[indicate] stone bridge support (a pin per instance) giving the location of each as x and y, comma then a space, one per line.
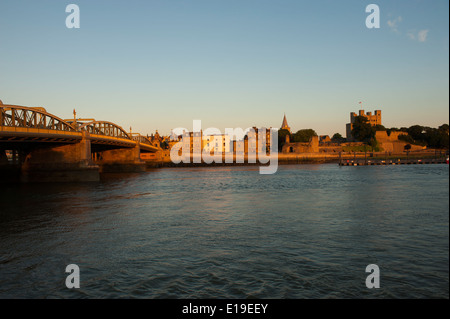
124, 160
67, 163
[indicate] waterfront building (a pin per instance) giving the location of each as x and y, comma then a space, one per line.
215, 144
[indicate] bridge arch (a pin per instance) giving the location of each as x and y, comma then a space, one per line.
105, 128
16, 116
140, 138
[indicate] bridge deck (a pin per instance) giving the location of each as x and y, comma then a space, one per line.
19, 124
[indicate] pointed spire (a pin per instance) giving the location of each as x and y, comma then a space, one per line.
285, 125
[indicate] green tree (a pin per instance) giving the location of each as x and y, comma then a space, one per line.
406, 138
417, 132
428, 136
362, 130
337, 138
303, 136
444, 128
436, 138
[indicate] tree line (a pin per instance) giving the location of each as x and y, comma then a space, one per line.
418, 135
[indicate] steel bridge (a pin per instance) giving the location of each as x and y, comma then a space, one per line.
45, 147
21, 125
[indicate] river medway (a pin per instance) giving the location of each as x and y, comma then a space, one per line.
308, 231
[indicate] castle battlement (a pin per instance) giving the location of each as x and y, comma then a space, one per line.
372, 119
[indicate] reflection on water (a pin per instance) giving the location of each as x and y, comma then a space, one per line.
308, 231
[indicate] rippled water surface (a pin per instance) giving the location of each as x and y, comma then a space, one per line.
308, 231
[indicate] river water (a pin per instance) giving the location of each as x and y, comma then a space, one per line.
309, 231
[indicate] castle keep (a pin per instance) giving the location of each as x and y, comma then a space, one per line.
373, 120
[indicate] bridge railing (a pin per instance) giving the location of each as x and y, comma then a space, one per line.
105, 128
36, 118
25, 119
140, 139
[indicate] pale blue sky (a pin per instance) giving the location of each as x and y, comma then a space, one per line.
230, 63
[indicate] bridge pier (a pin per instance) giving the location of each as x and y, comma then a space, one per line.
66, 163
10, 170
124, 160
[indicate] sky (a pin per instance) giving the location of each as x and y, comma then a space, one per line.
160, 64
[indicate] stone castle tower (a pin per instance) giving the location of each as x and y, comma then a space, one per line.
372, 119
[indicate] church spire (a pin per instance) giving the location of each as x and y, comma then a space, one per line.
284, 125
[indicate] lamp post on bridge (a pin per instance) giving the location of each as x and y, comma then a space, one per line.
75, 124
